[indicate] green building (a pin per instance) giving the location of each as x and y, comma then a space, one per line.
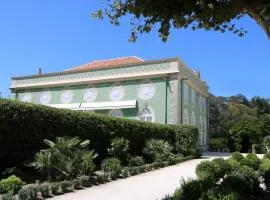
163, 91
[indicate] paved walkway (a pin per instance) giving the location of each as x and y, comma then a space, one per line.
147, 186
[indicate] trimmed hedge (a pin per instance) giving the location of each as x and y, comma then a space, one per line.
47, 190
23, 127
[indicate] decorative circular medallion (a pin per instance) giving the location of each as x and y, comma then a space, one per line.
66, 96
27, 97
90, 95
146, 91
45, 97
117, 93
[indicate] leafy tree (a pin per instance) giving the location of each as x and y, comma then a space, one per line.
245, 133
66, 158
262, 105
217, 15
239, 98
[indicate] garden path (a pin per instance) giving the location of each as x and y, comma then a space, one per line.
147, 186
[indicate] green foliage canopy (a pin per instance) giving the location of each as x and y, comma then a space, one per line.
198, 14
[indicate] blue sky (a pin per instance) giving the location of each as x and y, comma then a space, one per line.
56, 35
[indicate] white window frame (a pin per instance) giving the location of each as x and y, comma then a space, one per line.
144, 118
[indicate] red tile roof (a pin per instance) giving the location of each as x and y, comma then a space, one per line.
99, 64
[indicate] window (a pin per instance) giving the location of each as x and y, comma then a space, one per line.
204, 104
193, 119
146, 115
201, 102
193, 96
185, 94
201, 129
185, 119
116, 113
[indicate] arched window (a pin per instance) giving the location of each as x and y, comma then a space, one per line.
193, 97
201, 129
116, 113
185, 93
193, 119
146, 115
185, 118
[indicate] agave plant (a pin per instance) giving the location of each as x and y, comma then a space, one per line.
66, 158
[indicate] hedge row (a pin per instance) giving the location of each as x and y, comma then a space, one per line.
47, 190
23, 126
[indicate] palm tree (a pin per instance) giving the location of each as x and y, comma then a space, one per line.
66, 157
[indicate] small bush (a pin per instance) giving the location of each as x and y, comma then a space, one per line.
66, 186
265, 171
252, 161
7, 196
136, 161
45, 190
86, 181
191, 189
111, 165
267, 155
28, 193
234, 164
237, 156
10, 184
222, 167
250, 180
157, 150
205, 170
119, 148
77, 183
56, 188
219, 194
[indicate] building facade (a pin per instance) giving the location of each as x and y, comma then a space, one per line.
163, 91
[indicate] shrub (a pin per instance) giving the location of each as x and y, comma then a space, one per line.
219, 194
45, 190
30, 124
11, 184
191, 189
234, 164
218, 143
237, 156
186, 138
56, 188
157, 150
205, 170
250, 180
265, 171
135, 161
86, 181
252, 161
66, 186
267, 155
28, 193
67, 158
119, 148
7, 196
111, 165
77, 183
